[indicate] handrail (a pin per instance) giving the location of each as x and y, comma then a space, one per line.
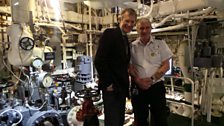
192, 93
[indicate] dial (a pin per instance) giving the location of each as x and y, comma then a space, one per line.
47, 81
37, 63
26, 43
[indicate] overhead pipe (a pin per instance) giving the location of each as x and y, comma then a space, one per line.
150, 11
175, 6
162, 8
102, 4
170, 28
207, 10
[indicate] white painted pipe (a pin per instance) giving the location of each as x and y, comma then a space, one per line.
5, 10
209, 94
102, 4
20, 11
221, 72
150, 11
203, 99
219, 4
175, 6
90, 40
207, 10
170, 28
154, 25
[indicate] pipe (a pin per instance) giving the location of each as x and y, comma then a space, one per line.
221, 72
58, 25
90, 41
203, 99
20, 11
186, 15
175, 6
210, 95
150, 11
170, 28
192, 94
102, 4
219, 4
5, 10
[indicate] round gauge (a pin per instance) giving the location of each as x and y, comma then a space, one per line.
47, 81
37, 63
26, 43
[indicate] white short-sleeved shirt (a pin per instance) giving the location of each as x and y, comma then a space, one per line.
148, 58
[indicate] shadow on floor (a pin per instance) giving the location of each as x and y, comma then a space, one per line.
177, 120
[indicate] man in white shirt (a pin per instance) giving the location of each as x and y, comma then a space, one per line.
149, 63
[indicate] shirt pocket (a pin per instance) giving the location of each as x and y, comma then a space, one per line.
154, 56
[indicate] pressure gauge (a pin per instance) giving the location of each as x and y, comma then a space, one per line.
45, 79
26, 43
37, 63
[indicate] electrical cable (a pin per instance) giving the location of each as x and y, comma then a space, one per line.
12, 72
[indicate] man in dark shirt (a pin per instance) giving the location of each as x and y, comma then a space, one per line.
111, 62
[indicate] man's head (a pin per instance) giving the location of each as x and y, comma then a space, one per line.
144, 28
127, 20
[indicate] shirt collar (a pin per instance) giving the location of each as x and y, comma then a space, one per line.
150, 41
123, 33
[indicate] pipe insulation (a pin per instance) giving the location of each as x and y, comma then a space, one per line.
101, 4
175, 6
219, 4
20, 10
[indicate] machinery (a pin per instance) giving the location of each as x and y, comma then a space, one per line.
88, 113
47, 77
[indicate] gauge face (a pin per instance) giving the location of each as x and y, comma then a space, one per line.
47, 81
37, 63
26, 43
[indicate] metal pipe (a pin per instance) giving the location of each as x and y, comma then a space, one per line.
90, 40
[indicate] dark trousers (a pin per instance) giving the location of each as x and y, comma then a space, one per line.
114, 108
155, 97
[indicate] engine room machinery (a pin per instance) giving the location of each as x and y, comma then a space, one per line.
88, 113
45, 99
47, 48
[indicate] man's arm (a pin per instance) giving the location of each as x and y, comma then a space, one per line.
165, 66
143, 83
102, 59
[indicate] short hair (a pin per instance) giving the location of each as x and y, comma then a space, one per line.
143, 20
130, 12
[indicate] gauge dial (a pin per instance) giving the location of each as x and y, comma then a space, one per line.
37, 63
47, 81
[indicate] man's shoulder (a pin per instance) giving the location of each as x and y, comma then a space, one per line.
135, 42
111, 31
158, 40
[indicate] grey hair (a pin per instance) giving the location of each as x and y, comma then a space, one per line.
143, 20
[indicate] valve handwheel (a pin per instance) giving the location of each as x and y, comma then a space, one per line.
26, 43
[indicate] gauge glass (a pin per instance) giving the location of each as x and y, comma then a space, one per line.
37, 63
47, 81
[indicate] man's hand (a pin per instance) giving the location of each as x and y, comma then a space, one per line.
110, 88
144, 83
132, 71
